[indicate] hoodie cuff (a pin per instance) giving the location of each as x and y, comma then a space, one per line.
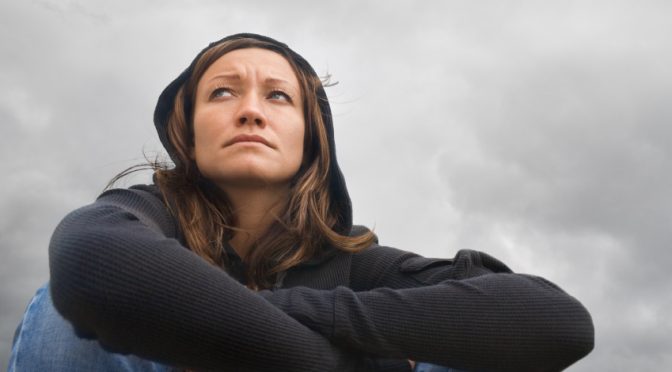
311, 307
390, 365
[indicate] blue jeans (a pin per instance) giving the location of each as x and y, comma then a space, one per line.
45, 341
428, 367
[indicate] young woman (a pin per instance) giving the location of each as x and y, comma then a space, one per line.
243, 256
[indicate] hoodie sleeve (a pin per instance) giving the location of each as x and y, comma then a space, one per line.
119, 276
470, 312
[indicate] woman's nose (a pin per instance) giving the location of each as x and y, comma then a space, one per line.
251, 111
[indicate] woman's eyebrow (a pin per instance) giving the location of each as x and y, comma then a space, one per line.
290, 87
236, 77
226, 76
274, 80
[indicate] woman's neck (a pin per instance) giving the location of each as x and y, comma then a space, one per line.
254, 210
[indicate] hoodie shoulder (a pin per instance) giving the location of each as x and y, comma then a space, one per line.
146, 203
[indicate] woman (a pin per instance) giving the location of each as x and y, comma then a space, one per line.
243, 255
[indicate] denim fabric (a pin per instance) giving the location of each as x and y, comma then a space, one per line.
428, 367
45, 341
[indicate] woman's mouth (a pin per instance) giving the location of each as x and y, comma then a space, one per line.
248, 138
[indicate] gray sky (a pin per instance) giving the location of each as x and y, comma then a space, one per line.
540, 132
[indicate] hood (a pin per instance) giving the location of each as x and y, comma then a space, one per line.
337, 188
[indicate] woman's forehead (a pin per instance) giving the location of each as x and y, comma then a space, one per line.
243, 64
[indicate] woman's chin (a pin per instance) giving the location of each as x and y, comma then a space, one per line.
249, 172
252, 180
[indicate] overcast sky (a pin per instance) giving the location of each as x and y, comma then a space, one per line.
540, 132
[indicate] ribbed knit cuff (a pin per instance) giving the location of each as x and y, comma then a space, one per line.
311, 307
390, 365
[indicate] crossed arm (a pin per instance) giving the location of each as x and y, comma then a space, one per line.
120, 280
118, 276
497, 321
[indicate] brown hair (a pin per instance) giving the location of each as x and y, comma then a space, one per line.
305, 228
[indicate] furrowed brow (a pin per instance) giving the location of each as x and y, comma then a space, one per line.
272, 81
226, 76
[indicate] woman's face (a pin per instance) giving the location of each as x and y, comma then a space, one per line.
248, 120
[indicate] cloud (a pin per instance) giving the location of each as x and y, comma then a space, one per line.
566, 163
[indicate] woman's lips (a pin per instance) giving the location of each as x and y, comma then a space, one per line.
248, 138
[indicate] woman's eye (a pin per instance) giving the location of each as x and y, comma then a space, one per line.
221, 92
279, 95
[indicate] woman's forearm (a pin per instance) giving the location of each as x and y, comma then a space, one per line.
120, 281
495, 321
